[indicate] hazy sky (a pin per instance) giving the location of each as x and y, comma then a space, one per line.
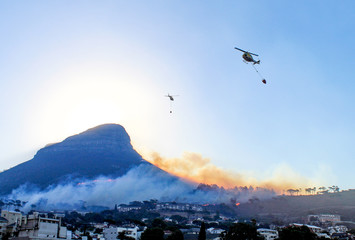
66, 66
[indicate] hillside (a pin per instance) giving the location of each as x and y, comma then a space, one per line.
342, 203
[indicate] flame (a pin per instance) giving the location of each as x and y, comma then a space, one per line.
237, 204
195, 168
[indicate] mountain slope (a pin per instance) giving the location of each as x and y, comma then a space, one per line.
101, 151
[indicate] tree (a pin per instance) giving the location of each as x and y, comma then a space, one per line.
153, 234
296, 233
88, 235
321, 189
292, 191
6, 236
241, 231
202, 234
158, 223
176, 235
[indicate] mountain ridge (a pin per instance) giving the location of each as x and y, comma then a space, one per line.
104, 150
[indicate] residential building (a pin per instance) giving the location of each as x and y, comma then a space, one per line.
268, 234
179, 206
12, 217
35, 227
3, 223
324, 218
315, 229
127, 208
215, 230
338, 229
111, 233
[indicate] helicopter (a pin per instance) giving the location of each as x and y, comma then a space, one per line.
247, 56
171, 97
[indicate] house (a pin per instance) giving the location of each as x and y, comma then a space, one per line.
35, 227
268, 234
193, 231
338, 229
127, 208
12, 217
323, 218
3, 223
314, 229
215, 230
111, 233
179, 206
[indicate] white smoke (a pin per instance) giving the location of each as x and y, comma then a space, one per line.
139, 184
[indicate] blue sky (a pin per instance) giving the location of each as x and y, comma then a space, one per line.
66, 66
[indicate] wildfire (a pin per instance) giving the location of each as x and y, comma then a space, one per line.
237, 204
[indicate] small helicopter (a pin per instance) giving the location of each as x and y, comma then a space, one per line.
247, 56
171, 97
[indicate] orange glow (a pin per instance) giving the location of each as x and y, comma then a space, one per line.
195, 168
237, 204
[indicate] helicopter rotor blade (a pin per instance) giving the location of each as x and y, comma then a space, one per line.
246, 51
239, 49
253, 54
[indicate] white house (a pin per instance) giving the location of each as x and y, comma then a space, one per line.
268, 234
12, 217
338, 229
215, 230
324, 218
40, 228
314, 229
111, 233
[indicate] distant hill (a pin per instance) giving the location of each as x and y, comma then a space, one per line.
104, 150
298, 207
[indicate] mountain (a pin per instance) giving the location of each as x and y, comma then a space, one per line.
104, 150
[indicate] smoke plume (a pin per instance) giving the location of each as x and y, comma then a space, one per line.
141, 183
195, 168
